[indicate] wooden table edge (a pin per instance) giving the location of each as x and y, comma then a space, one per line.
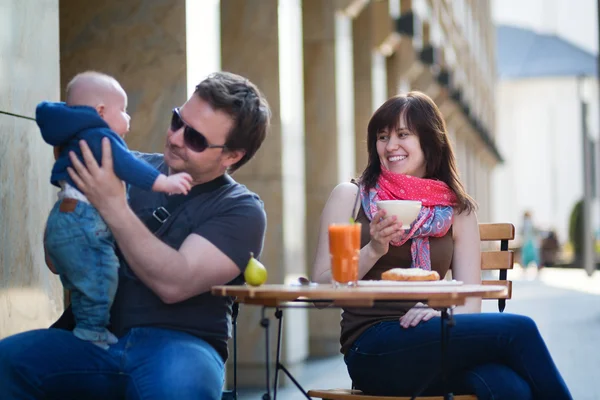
267, 295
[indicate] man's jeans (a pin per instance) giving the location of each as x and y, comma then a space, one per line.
146, 363
495, 356
81, 248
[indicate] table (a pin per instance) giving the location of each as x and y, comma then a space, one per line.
437, 294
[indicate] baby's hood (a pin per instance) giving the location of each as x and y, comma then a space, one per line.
60, 123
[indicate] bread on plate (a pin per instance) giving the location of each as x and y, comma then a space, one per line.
410, 274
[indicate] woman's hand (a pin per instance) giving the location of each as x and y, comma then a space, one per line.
383, 230
420, 312
100, 185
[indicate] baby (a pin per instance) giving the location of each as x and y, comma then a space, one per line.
77, 240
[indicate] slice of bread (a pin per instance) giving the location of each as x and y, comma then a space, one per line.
410, 274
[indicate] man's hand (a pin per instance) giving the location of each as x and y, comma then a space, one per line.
180, 183
420, 312
100, 185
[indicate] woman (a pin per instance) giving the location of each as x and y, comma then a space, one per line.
394, 350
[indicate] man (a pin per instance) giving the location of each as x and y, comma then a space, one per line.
172, 332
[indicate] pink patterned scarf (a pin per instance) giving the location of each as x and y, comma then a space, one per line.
434, 219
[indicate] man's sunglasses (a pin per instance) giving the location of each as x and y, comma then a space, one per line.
193, 139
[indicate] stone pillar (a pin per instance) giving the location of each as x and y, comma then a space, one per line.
393, 74
402, 67
142, 43
31, 296
362, 33
382, 26
381, 46
424, 79
396, 65
322, 172
250, 47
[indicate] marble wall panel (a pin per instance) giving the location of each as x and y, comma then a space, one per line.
29, 69
30, 295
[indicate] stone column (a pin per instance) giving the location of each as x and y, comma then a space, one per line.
393, 75
382, 43
382, 26
31, 296
403, 67
142, 43
250, 47
362, 33
322, 172
423, 80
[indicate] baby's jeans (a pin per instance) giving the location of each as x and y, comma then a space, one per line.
81, 248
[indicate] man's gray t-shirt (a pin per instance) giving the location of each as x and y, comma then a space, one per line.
232, 218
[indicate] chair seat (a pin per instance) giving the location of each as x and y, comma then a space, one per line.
348, 394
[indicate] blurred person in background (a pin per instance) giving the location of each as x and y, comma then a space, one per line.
529, 248
549, 250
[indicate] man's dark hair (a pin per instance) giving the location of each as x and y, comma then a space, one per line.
240, 99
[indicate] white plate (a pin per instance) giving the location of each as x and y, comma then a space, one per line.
410, 283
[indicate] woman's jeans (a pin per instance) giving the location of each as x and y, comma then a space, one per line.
81, 248
146, 363
495, 356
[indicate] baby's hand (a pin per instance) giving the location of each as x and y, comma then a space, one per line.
180, 183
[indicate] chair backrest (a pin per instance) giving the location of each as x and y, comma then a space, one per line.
501, 260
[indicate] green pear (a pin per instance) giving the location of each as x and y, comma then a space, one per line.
255, 273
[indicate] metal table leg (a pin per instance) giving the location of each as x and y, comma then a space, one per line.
279, 316
264, 322
278, 365
447, 321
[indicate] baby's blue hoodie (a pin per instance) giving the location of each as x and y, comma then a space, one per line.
65, 126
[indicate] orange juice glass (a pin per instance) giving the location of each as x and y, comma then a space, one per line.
344, 248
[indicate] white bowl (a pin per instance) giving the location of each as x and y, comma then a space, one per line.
406, 211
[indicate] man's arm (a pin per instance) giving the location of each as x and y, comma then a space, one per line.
174, 275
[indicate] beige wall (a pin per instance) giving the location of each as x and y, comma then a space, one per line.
30, 296
142, 43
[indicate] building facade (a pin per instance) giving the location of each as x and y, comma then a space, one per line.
547, 120
324, 66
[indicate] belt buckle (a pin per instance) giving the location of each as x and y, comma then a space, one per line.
163, 212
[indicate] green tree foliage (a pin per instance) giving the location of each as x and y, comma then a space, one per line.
576, 229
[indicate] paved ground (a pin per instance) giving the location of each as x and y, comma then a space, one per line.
564, 302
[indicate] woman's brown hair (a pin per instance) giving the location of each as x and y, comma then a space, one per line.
424, 119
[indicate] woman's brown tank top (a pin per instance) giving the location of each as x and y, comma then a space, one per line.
357, 320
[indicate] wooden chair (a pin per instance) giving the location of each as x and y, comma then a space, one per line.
501, 260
